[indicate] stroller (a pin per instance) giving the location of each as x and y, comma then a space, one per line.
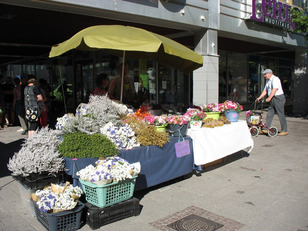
255, 123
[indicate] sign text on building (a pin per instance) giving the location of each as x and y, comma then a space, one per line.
272, 12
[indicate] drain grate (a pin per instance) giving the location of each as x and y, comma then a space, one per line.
195, 223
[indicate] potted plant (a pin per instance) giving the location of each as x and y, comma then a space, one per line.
196, 116
160, 122
232, 110
38, 163
177, 124
213, 110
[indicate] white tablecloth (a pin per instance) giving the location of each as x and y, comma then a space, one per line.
211, 144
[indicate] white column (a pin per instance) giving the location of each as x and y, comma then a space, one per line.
300, 78
205, 79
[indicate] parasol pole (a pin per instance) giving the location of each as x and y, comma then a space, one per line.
122, 78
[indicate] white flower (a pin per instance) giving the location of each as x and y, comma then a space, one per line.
111, 169
122, 136
50, 200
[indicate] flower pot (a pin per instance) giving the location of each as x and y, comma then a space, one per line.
232, 115
215, 115
175, 130
161, 128
195, 124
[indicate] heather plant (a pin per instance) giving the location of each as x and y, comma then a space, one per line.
146, 134
38, 154
89, 118
81, 145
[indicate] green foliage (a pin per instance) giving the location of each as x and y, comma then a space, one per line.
81, 145
301, 21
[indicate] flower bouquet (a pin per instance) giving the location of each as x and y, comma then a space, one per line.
57, 198
142, 112
121, 135
109, 170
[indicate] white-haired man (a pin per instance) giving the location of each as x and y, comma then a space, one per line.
276, 100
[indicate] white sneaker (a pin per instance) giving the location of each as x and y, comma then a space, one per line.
20, 130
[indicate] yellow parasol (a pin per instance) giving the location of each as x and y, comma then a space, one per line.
134, 43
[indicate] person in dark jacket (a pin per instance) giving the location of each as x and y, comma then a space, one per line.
32, 96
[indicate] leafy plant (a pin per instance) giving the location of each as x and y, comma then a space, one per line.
38, 154
81, 145
300, 18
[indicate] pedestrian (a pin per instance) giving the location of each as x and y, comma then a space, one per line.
2, 105
32, 96
8, 101
128, 86
18, 106
276, 99
45, 90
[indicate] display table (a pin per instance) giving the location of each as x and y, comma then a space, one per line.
211, 144
158, 165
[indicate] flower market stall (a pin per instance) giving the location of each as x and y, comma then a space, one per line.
106, 148
213, 142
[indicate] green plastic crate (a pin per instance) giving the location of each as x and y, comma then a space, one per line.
109, 194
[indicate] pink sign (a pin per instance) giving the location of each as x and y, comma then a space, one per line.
182, 148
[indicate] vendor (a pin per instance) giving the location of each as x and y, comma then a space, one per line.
102, 83
128, 86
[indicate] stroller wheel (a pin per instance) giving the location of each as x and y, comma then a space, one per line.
254, 130
273, 131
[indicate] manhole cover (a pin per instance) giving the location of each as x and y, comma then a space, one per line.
195, 223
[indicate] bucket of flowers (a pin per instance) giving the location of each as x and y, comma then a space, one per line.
177, 125
102, 183
58, 206
213, 110
232, 110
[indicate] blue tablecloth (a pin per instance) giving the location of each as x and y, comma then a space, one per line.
158, 165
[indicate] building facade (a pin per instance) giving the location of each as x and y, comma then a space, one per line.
238, 39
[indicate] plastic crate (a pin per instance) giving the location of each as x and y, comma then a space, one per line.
109, 194
97, 217
38, 181
61, 221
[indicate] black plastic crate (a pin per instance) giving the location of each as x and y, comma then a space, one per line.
38, 181
61, 221
97, 217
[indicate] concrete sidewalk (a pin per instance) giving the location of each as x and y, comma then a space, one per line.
266, 190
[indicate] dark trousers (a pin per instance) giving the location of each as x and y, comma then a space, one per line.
277, 105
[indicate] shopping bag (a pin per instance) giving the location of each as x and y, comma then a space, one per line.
182, 148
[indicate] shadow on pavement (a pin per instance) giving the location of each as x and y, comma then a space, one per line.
7, 151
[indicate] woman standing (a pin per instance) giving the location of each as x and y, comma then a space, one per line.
32, 96
18, 106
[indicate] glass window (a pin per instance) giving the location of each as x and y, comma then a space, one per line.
237, 69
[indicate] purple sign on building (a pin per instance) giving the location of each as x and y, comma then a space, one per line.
272, 12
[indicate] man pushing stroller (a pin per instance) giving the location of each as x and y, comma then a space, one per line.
276, 99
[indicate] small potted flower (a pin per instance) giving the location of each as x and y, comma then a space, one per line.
160, 122
232, 110
213, 110
196, 116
